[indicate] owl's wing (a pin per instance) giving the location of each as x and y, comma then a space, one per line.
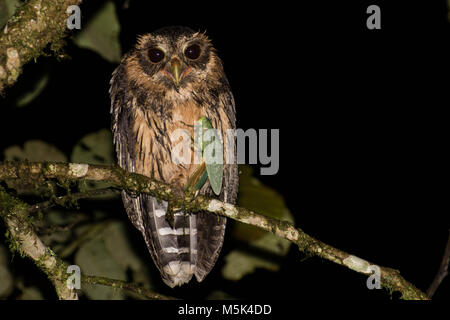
122, 119
231, 173
121, 124
210, 227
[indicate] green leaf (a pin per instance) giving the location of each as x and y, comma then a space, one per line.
6, 278
121, 250
94, 259
94, 148
28, 96
52, 219
109, 254
30, 293
219, 295
35, 150
260, 198
7, 9
101, 33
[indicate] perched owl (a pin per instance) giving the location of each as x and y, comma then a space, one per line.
169, 80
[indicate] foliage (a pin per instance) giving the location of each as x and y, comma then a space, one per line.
101, 33
96, 235
7, 9
259, 198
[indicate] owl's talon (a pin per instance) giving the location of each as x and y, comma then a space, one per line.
169, 216
171, 210
190, 195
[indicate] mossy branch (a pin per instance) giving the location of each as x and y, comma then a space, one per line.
135, 183
35, 25
24, 240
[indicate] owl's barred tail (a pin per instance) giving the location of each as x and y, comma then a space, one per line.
190, 248
175, 249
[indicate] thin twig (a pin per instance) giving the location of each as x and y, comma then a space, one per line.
125, 286
443, 270
93, 230
63, 201
24, 239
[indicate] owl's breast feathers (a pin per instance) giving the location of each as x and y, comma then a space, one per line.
144, 116
155, 139
156, 112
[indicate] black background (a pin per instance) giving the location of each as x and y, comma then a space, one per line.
362, 122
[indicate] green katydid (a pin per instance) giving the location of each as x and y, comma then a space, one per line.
208, 147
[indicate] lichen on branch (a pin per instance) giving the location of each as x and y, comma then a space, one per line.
35, 25
24, 240
135, 183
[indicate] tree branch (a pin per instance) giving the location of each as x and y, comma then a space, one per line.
24, 240
34, 26
135, 183
27, 243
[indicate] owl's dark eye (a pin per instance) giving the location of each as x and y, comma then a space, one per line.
155, 55
192, 52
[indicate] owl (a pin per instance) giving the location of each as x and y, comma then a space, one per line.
169, 80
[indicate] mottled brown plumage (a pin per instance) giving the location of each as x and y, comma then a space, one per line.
149, 100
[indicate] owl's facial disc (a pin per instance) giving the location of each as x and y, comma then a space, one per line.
176, 71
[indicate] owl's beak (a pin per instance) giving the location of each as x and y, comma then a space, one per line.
176, 72
176, 66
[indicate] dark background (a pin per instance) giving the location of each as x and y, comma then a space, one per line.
361, 119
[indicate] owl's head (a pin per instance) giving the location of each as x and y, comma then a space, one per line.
177, 58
